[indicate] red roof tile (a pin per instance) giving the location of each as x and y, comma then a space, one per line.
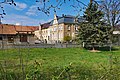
13, 29
5, 29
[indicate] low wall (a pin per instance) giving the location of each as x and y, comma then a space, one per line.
8, 46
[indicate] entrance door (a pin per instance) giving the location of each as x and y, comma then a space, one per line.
23, 38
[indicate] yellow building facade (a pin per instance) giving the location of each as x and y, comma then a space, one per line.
57, 29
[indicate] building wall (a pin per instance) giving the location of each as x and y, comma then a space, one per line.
56, 32
37, 34
16, 39
117, 33
31, 39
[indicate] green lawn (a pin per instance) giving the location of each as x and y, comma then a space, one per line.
52, 58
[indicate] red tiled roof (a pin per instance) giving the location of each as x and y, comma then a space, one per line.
13, 29
5, 29
25, 28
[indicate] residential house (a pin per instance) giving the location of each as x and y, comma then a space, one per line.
17, 34
57, 29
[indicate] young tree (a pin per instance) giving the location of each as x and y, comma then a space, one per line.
67, 38
94, 30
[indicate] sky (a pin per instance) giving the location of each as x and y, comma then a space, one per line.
25, 12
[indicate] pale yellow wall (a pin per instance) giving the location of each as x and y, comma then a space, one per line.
37, 34
45, 34
57, 32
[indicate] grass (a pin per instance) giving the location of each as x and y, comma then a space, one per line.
52, 59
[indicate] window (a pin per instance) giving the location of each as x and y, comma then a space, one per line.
60, 27
51, 30
55, 29
23, 38
0, 37
68, 28
76, 28
48, 37
10, 39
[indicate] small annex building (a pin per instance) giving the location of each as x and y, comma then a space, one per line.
17, 34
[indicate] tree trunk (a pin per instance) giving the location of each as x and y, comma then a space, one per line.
93, 48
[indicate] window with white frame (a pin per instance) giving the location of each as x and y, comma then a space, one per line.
68, 28
61, 28
76, 28
54, 29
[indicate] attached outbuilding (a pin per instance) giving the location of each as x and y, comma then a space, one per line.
14, 34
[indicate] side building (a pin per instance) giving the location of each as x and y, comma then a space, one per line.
14, 34
58, 29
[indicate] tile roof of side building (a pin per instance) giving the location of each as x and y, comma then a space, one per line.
25, 28
13, 29
7, 29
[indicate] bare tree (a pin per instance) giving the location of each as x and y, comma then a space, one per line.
111, 9
10, 2
45, 7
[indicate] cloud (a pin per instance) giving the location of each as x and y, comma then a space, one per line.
20, 6
23, 20
32, 10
